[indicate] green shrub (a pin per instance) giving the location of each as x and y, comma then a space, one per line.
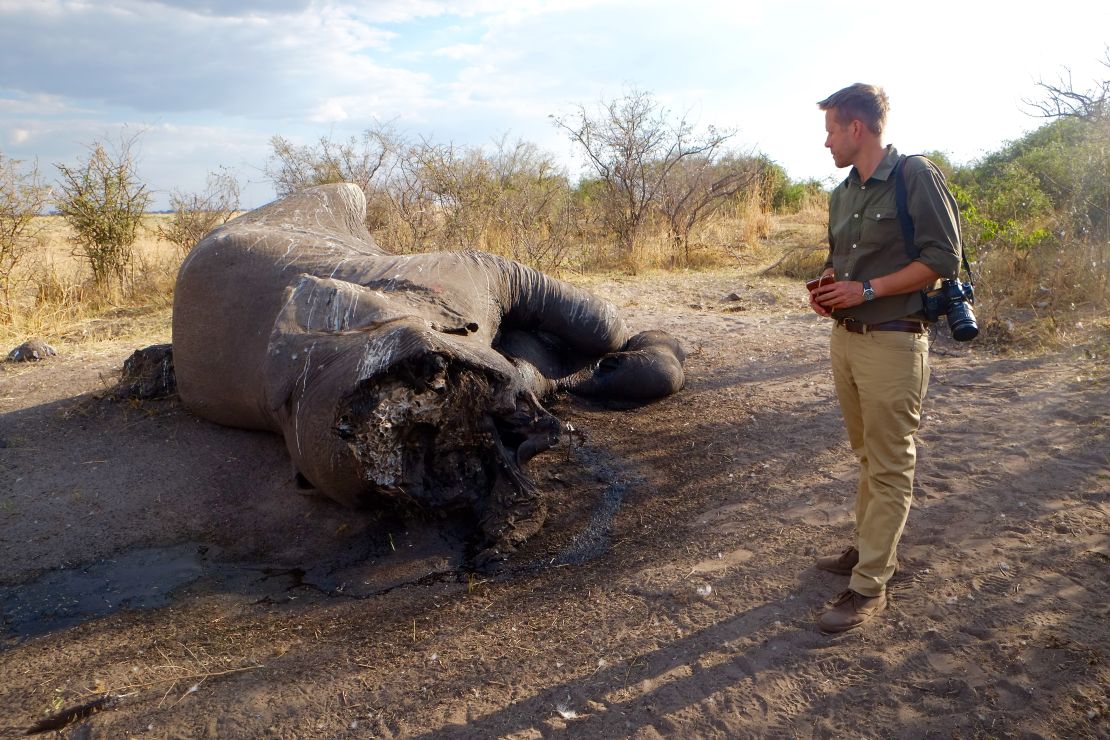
103, 201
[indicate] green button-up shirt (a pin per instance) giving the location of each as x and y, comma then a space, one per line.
865, 236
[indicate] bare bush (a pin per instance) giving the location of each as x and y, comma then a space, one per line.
195, 214
1062, 100
516, 200
513, 201
23, 196
461, 185
634, 144
103, 201
696, 188
411, 222
378, 155
534, 211
357, 160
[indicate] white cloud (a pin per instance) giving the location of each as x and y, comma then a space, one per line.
238, 7
158, 58
461, 51
214, 79
38, 104
331, 111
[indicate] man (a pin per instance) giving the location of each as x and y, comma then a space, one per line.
879, 349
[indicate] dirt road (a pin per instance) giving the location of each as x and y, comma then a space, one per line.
172, 564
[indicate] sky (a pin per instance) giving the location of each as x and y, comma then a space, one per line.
207, 83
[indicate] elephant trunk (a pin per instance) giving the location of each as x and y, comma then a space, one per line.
585, 324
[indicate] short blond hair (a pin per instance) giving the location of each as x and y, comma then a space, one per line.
859, 102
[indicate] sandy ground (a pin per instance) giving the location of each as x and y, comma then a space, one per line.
173, 566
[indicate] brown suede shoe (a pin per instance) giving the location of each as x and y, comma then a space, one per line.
849, 610
841, 564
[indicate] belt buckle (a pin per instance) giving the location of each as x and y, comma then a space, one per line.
855, 326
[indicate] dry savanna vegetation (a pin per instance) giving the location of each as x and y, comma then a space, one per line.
660, 195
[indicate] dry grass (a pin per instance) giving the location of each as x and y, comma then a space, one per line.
1034, 300
1026, 300
56, 297
736, 236
798, 245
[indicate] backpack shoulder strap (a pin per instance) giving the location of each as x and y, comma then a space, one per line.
904, 218
900, 198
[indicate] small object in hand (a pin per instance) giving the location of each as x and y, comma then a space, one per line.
815, 283
818, 282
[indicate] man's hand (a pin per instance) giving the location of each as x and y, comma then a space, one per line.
824, 298
817, 307
837, 295
848, 293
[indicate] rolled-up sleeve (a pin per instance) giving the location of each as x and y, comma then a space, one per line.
936, 220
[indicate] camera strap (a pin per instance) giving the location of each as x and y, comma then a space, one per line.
904, 218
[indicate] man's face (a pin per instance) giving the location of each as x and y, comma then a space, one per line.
840, 139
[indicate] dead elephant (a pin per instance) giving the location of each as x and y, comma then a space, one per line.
414, 377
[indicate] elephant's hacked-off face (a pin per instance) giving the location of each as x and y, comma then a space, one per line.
416, 378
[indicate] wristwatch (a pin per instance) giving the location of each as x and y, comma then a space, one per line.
868, 293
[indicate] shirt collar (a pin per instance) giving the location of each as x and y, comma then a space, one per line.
882, 172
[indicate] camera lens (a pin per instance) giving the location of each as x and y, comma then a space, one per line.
961, 321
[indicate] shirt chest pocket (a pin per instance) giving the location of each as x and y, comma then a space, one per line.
880, 228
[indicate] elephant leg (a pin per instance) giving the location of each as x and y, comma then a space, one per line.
647, 367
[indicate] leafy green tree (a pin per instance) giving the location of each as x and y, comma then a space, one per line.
103, 200
783, 194
1053, 183
942, 161
1036, 212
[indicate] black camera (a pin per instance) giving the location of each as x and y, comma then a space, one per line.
953, 299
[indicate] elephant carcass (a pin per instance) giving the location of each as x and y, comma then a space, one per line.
413, 377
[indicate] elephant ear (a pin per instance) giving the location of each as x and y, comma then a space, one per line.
313, 304
317, 318
336, 328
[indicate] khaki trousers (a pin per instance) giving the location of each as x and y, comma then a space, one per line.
881, 378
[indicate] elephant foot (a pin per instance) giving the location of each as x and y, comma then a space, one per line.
436, 432
647, 367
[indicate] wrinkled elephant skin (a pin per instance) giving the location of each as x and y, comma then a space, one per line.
414, 377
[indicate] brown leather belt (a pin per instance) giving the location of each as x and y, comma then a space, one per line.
858, 327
